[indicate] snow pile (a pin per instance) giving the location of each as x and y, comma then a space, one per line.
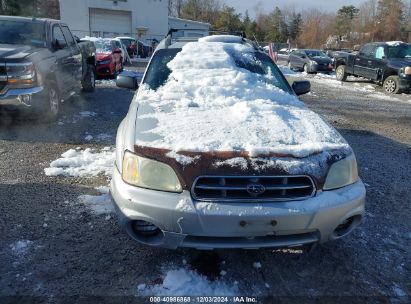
100, 204
83, 163
210, 104
184, 205
182, 159
20, 247
239, 162
185, 282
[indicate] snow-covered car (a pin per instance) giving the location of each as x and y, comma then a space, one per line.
217, 151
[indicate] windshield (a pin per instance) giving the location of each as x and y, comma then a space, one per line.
127, 42
314, 54
22, 32
259, 63
399, 51
103, 46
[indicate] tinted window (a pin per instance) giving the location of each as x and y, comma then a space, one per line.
367, 50
69, 38
399, 51
22, 32
58, 35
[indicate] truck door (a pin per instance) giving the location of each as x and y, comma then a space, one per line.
76, 65
363, 60
378, 62
64, 60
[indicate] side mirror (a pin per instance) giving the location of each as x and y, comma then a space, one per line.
303, 56
59, 44
117, 51
127, 81
301, 87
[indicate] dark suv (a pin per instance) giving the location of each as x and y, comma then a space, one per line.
386, 63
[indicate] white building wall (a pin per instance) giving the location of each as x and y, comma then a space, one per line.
194, 28
151, 15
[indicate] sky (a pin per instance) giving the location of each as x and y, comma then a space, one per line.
268, 5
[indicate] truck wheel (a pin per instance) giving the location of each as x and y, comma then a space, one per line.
89, 81
341, 73
52, 106
392, 84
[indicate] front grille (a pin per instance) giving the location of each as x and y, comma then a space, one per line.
252, 188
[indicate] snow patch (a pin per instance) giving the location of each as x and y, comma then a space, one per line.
182, 159
83, 163
239, 162
257, 265
20, 247
185, 282
98, 204
87, 114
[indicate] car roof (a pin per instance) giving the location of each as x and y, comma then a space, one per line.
125, 38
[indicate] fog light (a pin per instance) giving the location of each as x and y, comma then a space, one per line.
146, 229
347, 226
26, 99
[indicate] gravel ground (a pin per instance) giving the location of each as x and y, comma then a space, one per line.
52, 246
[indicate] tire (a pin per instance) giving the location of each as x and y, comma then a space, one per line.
52, 106
341, 73
392, 84
89, 81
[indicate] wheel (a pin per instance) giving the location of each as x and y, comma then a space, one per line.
340, 73
305, 68
392, 84
51, 108
89, 81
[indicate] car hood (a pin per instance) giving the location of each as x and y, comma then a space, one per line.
103, 56
400, 62
15, 52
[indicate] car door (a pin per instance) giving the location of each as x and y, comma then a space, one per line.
363, 60
377, 62
62, 53
76, 58
294, 58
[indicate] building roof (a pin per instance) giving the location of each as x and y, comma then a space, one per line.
189, 21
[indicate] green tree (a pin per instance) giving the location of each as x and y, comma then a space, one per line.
295, 26
228, 20
278, 29
345, 17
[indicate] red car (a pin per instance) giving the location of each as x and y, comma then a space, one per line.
130, 44
109, 60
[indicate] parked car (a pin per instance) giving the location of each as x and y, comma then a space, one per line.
41, 65
144, 50
310, 61
220, 153
109, 61
386, 63
119, 44
131, 45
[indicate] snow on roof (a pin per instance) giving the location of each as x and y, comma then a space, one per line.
394, 43
222, 38
210, 104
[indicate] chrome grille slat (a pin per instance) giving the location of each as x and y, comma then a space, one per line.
276, 188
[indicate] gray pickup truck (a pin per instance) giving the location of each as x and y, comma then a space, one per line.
41, 65
386, 63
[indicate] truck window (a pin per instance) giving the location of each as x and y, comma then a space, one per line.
379, 52
58, 35
367, 51
69, 38
22, 32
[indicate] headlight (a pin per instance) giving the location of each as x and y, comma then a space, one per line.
407, 71
313, 62
147, 173
104, 62
20, 72
342, 173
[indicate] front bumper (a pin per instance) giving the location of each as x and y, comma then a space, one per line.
21, 98
188, 223
314, 68
105, 69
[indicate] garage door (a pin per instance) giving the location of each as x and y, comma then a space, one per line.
110, 23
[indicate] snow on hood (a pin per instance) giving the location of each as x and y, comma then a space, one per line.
209, 104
